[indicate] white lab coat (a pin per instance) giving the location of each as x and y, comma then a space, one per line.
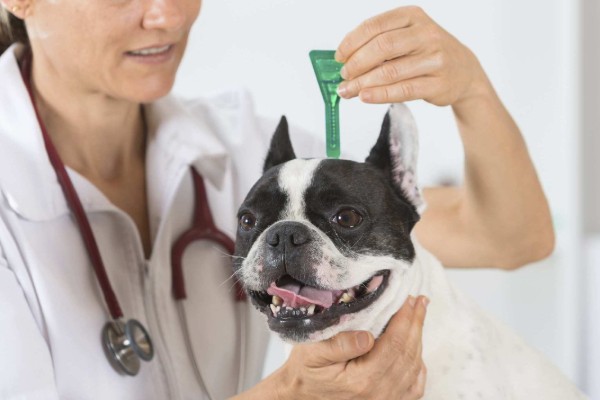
51, 308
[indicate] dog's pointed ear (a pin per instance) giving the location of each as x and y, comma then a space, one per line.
281, 149
396, 153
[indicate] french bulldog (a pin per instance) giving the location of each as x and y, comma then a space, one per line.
325, 246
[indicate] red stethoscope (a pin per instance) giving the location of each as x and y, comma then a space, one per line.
127, 342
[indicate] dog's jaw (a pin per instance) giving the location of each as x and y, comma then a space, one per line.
330, 265
354, 222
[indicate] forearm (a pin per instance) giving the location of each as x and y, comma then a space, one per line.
499, 217
267, 389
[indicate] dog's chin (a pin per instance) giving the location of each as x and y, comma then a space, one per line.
302, 324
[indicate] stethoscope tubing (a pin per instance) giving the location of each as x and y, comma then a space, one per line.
203, 228
75, 205
126, 342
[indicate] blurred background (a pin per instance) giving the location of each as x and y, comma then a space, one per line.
543, 59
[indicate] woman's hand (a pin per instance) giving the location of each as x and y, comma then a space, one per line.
499, 217
404, 55
353, 365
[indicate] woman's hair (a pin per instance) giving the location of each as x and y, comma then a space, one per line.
12, 30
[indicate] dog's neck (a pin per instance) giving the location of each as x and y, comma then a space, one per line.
431, 280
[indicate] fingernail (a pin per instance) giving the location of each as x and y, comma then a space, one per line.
342, 90
363, 340
425, 301
343, 72
366, 96
412, 301
337, 56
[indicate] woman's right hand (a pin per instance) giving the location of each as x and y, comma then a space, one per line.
352, 365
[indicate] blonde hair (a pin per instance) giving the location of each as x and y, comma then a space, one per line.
12, 30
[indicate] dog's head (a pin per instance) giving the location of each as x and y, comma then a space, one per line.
322, 245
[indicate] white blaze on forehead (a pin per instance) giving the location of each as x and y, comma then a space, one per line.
294, 178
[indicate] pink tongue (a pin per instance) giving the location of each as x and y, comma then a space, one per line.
295, 295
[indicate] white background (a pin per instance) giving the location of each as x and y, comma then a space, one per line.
530, 50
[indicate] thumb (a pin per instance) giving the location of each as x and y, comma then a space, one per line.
343, 347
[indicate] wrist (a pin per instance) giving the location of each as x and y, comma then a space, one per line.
480, 97
280, 383
273, 387
479, 89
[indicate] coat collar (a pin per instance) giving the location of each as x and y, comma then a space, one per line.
176, 139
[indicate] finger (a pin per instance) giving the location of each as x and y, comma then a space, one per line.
420, 311
382, 48
414, 337
417, 390
341, 348
407, 90
392, 341
390, 72
401, 17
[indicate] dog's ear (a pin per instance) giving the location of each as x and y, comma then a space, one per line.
281, 149
396, 152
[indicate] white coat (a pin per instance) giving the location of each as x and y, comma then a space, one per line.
51, 308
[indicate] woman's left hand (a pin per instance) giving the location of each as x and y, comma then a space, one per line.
404, 55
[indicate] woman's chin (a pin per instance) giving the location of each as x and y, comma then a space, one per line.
147, 91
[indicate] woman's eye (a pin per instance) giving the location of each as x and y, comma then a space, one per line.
247, 221
348, 218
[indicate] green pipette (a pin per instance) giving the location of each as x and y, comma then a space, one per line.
328, 75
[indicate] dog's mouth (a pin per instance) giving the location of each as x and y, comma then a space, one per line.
293, 305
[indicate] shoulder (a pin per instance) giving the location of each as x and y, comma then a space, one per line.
234, 115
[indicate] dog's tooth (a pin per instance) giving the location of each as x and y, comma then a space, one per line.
274, 310
278, 308
311, 309
277, 300
303, 309
346, 298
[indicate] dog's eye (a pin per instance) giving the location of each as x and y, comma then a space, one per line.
348, 218
247, 221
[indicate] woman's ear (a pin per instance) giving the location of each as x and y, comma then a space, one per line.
396, 153
18, 8
281, 149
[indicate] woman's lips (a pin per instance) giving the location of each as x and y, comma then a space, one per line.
152, 55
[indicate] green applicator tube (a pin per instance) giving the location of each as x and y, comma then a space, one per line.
328, 75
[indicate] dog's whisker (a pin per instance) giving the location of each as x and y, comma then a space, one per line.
347, 247
224, 253
359, 239
232, 276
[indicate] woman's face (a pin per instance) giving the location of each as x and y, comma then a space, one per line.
125, 49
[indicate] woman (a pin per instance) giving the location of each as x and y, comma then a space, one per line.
97, 73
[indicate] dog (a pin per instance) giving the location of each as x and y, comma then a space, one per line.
325, 246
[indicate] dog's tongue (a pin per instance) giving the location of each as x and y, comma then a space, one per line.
295, 294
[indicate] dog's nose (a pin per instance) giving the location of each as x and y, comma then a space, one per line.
292, 234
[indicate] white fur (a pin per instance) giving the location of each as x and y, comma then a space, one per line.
404, 147
333, 270
294, 178
468, 354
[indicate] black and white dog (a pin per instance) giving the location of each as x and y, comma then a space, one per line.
325, 246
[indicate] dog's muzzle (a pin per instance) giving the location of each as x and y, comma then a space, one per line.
293, 296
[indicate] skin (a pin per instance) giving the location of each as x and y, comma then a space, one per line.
352, 365
499, 217
100, 131
397, 56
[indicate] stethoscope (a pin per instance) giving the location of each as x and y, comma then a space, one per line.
126, 342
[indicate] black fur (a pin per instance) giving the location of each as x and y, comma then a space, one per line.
291, 249
380, 155
281, 149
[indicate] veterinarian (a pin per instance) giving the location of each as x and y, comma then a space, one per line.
84, 95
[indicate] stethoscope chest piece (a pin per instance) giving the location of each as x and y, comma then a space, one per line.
125, 344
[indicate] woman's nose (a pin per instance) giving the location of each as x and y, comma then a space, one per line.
167, 15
